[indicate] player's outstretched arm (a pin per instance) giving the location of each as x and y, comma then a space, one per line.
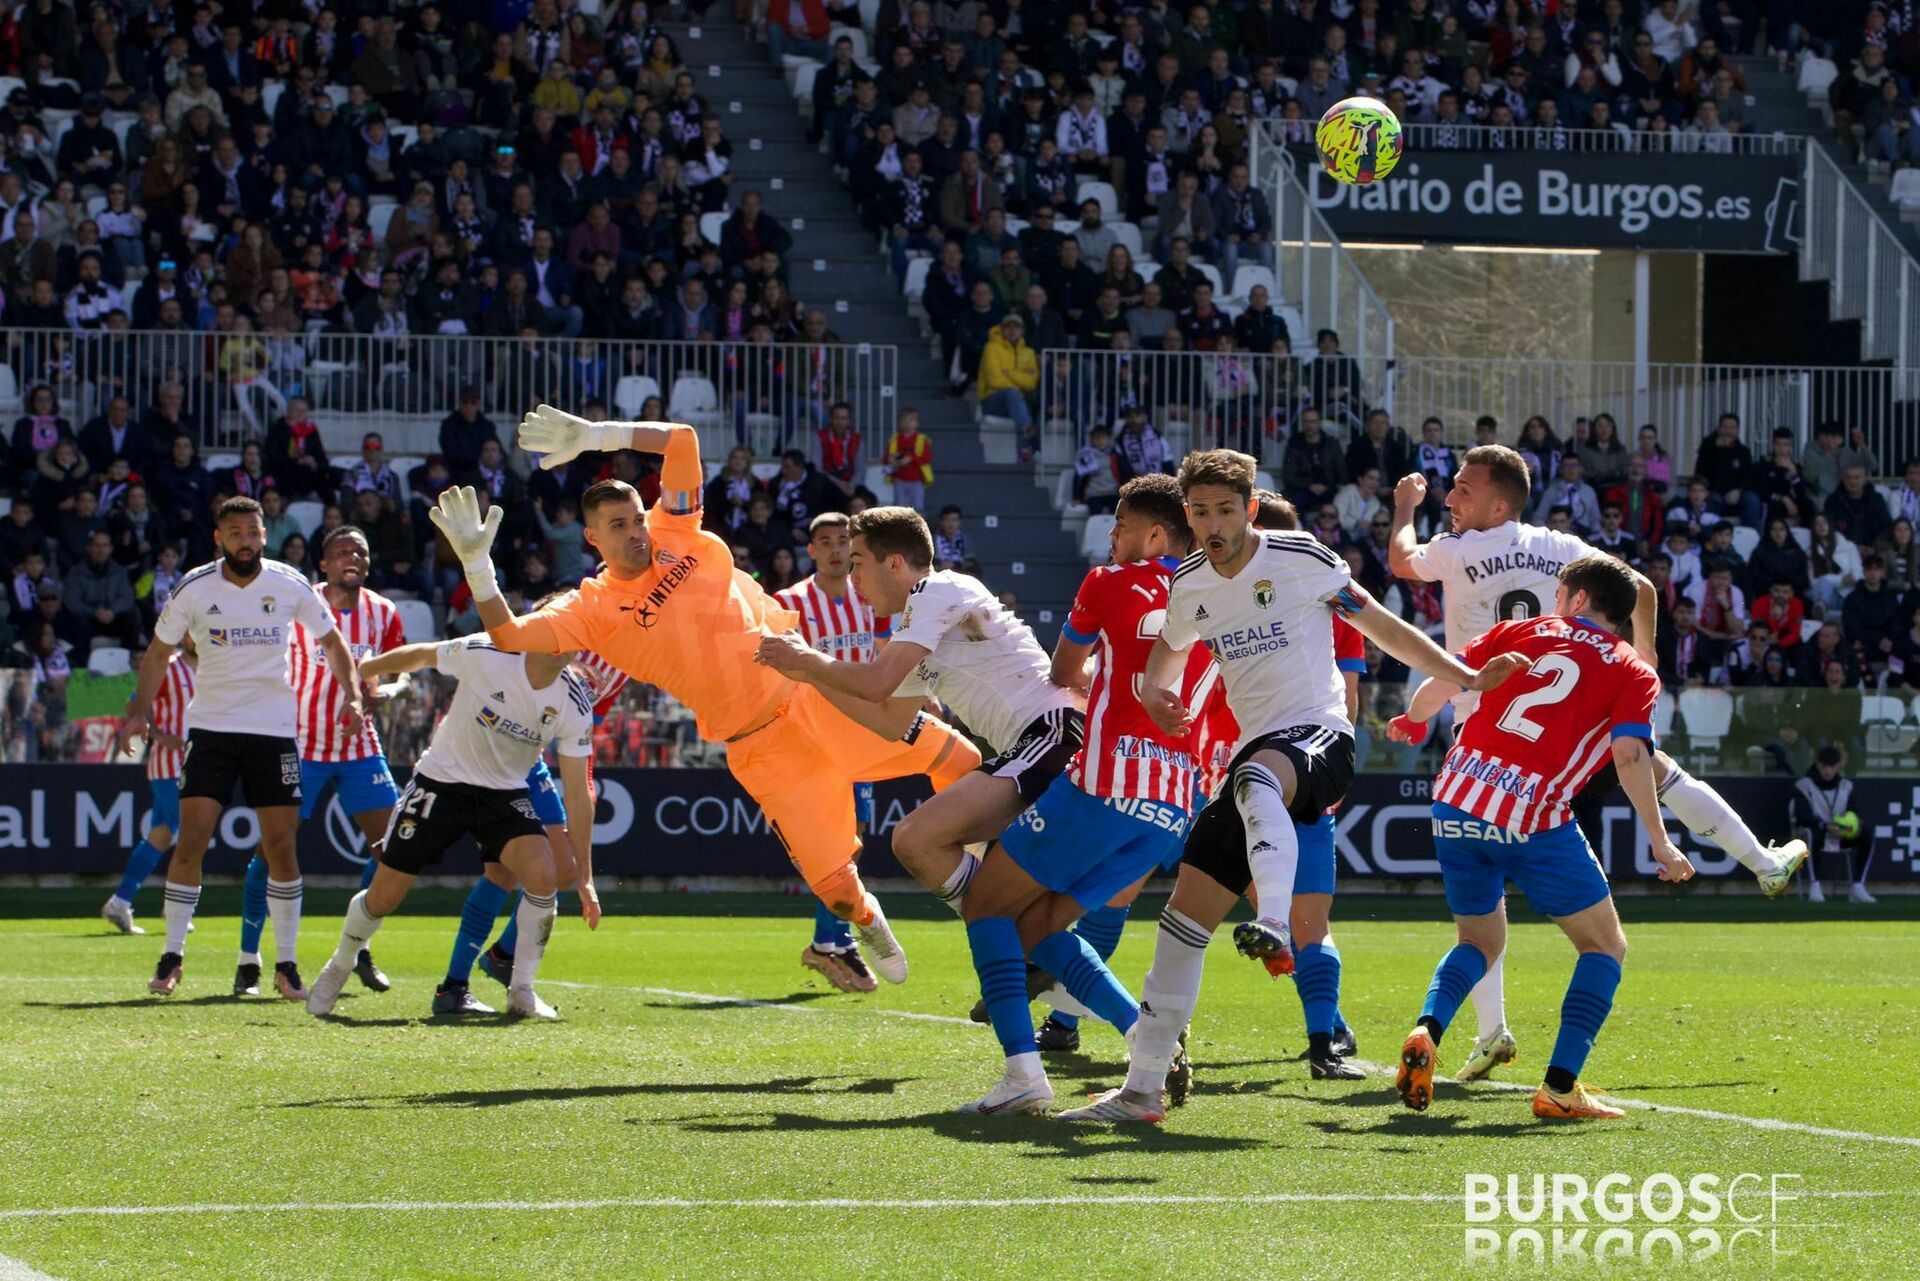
1411, 725
1635, 763
1402, 542
560, 437
153, 672
340, 660
1070, 670
402, 658
577, 788
1646, 618
1414, 648
457, 517
873, 682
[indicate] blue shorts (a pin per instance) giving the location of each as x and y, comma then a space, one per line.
863, 804
1090, 848
362, 785
1556, 869
548, 804
166, 803
1314, 874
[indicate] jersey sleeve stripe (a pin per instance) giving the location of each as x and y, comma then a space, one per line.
1078, 638
1305, 546
1633, 729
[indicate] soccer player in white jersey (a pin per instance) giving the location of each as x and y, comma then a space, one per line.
353, 765
837, 622
1493, 569
240, 611
959, 644
472, 781
1264, 603
166, 747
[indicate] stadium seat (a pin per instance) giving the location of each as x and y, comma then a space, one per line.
1881, 709
854, 34
695, 400
416, 620
1212, 273
631, 392
1803, 536
1905, 191
1663, 709
1247, 276
96, 205
869, 14
1815, 77
1096, 539
1264, 479
6, 506
378, 216
803, 78
9, 390
110, 660
1127, 234
307, 515
1916, 701
220, 462
338, 93
270, 92
877, 480
1063, 490
710, 226
1707, 715
915, 285
1809, 627
1744, 539
1104, 193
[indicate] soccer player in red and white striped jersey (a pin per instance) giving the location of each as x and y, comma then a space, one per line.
353, 764
166, 754
837, 622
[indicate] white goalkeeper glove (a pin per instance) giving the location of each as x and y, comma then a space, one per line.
561, 437
457, 516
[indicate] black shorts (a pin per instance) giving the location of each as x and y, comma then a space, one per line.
432, 816
1322, 762
264, 768
1041, 754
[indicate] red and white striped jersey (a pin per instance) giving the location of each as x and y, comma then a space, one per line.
170, 717
1122, 608
843, 627
1536, 740
604, 681
372, 627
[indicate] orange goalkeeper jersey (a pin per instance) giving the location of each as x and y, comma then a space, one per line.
691, 624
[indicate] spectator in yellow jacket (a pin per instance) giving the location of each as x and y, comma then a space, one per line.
1009, 379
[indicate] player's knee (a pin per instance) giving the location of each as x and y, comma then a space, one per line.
1308, 922
160, 836
842, 891
500, 876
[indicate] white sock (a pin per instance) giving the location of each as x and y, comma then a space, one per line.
1490, 999
1708, 816
181, 902
953, 891
249, 958
116, 900
1273, 847
361, 925
283, 907
1167, 1000
1025, 1067
535, 919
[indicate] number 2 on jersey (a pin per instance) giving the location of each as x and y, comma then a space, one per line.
1561, 672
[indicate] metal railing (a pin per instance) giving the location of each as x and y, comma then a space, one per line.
233, 386
1431, 136
1316, 274
1872, 278
1251, 402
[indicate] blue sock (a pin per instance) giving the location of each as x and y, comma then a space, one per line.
1453, 978
366, 873
829, 931
1084, 973
476, 922
510, 935
1316, 977
1002, 966
140, 865
253, 906
1589, 998
1101, 929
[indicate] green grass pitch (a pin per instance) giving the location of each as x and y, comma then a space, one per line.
704, 1098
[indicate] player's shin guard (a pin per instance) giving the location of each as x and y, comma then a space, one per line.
1101, 928
283, 904
476, 923
535, 919
180, 904
1273, 847
1453, 978
1167, 1000
1084, 973
830, 933
253, 910
1316, 977
140, 865
360, 926
1001, 964
1708, 816
1582, 1012
1490, 997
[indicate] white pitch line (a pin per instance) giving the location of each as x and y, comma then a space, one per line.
11, 1269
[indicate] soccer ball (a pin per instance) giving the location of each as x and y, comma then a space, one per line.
1848, 823
1359, 140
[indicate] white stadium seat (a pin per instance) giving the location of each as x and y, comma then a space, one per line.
631, 392
1096, 540
1744, 540
1102, 192
416, 620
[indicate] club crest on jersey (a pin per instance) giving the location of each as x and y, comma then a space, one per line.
524, 807
665, 557
268, 604
1263, 593
547, 715
407, 828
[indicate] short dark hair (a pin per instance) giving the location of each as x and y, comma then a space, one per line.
238, 507
603, 492
952, 509
896, 531
1228, 468
1275, 511
344, 531
1829, 755
1609, 585
1506, 469
827, 520
1157, 498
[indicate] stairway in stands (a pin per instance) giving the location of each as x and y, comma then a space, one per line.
1011, 524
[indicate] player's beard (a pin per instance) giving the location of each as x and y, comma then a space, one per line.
244, 564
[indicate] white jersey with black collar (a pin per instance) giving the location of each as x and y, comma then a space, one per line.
498, 723
243, 633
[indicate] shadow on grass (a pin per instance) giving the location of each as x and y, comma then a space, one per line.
571, 1093
1400, 1123
1055, 1138
138, 1002
738, 1003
